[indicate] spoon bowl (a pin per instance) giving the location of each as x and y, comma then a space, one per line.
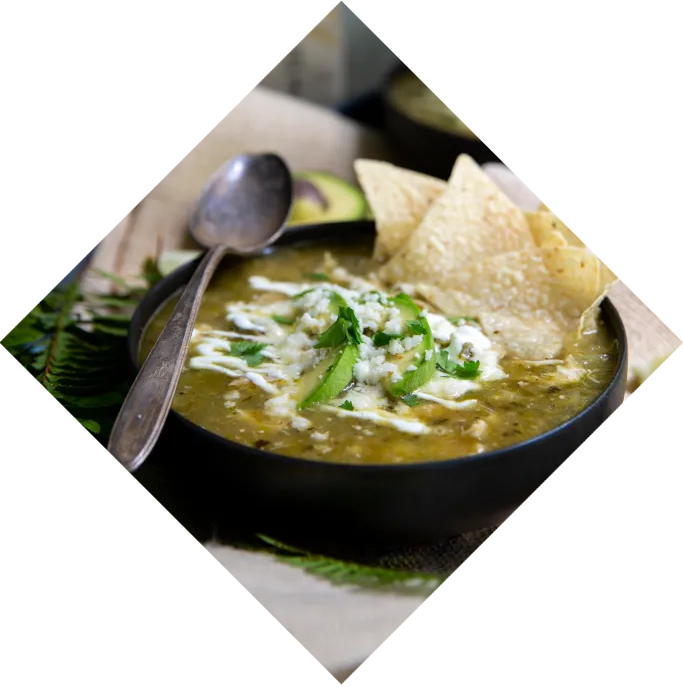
245, 205
243, 208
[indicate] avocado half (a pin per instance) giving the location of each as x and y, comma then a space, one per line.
322, 197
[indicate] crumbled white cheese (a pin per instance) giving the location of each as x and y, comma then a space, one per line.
300, 423
441, 327
319, 436
280, 406
411, 342
393, 326
310, 323
428, 354
396, 347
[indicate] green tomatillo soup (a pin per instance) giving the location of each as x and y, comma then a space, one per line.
306, 353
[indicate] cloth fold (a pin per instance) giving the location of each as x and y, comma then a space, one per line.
181, 122
599, 533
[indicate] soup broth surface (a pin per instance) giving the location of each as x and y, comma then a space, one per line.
522, 399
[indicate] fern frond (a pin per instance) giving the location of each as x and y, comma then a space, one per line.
347, 573
59, 394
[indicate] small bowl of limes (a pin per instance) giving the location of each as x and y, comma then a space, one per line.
47, 192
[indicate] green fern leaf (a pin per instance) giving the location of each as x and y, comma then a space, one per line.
59, 396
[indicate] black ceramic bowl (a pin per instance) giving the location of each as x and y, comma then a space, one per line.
389, 503
609, 173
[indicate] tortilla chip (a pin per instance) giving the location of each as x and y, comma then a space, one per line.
574, 231
612, 265
658, 64
472, 220
399, 199
585, 41
530, 302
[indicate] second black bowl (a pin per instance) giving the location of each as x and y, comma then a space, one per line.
391, 504
609, 174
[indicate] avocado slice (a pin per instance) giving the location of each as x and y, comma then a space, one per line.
323, 197
425, 369
329, 377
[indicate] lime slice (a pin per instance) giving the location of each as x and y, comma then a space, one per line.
16, 185
668, 234
663, 377
171, 260
89, 158
72, 192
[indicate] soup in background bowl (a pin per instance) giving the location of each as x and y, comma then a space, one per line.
603, 118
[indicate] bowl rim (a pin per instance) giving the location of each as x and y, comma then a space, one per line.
297, 234
494, 44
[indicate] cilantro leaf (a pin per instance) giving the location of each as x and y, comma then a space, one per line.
416, 327
411, 400
347, 405
353, 331
405, 299
345, 328
469, 370
282, 320
316, 276
333, 336
382, 338
249, 351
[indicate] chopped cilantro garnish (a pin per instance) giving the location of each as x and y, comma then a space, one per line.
382, 338
345, 328
416, 327
469, 370
411, 400
462, 318
249, 351
316, 276
347, 405
282, 320
406, 300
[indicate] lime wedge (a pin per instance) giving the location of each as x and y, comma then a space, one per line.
72, 192
668, 234
663, 377
171, 260
16, 185
89, 158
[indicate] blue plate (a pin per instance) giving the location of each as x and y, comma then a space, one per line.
574, 650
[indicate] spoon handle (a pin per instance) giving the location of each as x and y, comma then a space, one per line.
148, 402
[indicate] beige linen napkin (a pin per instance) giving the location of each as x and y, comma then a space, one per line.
182, 121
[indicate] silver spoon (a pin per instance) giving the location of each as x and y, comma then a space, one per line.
243, 208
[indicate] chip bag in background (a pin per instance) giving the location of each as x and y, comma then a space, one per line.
83, 49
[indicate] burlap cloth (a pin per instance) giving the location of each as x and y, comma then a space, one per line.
598, 534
